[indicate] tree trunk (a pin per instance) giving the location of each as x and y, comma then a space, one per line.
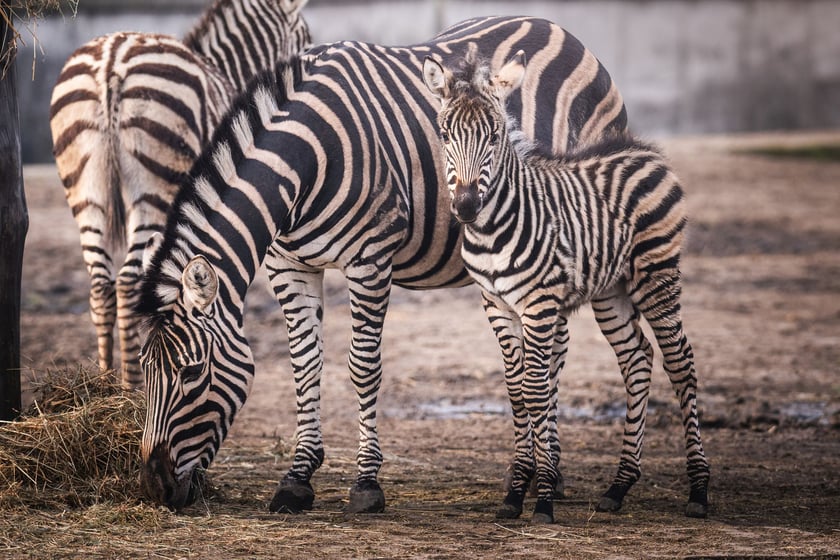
14, 221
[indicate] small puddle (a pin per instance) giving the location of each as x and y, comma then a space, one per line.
796, 413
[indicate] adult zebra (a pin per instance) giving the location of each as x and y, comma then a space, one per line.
544, 235
129, 115
334, 169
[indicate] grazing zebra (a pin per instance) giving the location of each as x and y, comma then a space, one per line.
546, 234
328, 164
129, 115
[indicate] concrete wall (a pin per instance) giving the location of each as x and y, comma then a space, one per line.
684, 66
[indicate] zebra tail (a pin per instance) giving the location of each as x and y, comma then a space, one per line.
114, 203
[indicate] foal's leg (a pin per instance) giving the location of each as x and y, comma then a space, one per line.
508, 330
658, 298
619, 322
539, 323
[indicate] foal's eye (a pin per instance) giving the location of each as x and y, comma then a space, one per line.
444, 137
191, 372
494, 138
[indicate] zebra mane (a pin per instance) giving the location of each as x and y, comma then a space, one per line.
193, 37
205, 183
609, 144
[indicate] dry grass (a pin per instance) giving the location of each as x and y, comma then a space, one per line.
79, 445
14, 13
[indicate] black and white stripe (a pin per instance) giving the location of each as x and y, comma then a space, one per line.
130, 113
336, 165
546, 234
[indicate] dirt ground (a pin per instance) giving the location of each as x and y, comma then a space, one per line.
761, 308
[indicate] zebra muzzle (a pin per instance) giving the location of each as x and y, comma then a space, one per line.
467, 202
159, 483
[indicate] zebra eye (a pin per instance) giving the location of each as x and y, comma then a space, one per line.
444, 137
494, 138
191, 372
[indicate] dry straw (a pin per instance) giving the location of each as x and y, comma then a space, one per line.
79, 445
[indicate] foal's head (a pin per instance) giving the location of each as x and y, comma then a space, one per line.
473, 125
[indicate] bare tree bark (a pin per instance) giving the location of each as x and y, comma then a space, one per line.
14, 222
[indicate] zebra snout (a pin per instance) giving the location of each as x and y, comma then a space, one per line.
159, 484
467, 202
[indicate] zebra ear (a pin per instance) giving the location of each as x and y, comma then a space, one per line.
152, 245
510, 76
199, 283
436, 77
293, 6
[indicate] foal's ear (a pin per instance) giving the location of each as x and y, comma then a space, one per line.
199, 283
510, 76
437, 78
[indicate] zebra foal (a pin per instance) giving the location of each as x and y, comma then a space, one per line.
544, 235
129, 115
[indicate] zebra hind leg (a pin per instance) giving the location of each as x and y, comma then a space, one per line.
103, 295
658, 298
619, 322
128, 284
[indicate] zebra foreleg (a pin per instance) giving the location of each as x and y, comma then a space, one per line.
619, 322
558, 360
300, 293
370, 288
538, 327
508, 330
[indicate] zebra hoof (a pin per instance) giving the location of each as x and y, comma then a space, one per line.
542, 519
509, 511
697, 510
366, 496
292, 496
613, 498
543, 512
608, 504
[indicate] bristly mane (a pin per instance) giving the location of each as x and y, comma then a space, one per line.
265, 93
193, 37
471, 78
609, 144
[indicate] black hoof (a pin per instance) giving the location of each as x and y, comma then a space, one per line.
512, 506
508, 511
613, 498
366, 497
696, 509
292, 496
608, 504
698, 502
543, 512
542, 519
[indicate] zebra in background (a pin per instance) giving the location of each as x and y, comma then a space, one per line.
544, 235
329, 164
129, 115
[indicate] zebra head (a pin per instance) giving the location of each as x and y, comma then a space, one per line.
472, 121
198, 369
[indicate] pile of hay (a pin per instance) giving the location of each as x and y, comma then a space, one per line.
78, 445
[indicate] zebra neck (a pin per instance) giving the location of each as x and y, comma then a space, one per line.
513, 195
227, 37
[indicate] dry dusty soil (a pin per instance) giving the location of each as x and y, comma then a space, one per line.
761, 308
